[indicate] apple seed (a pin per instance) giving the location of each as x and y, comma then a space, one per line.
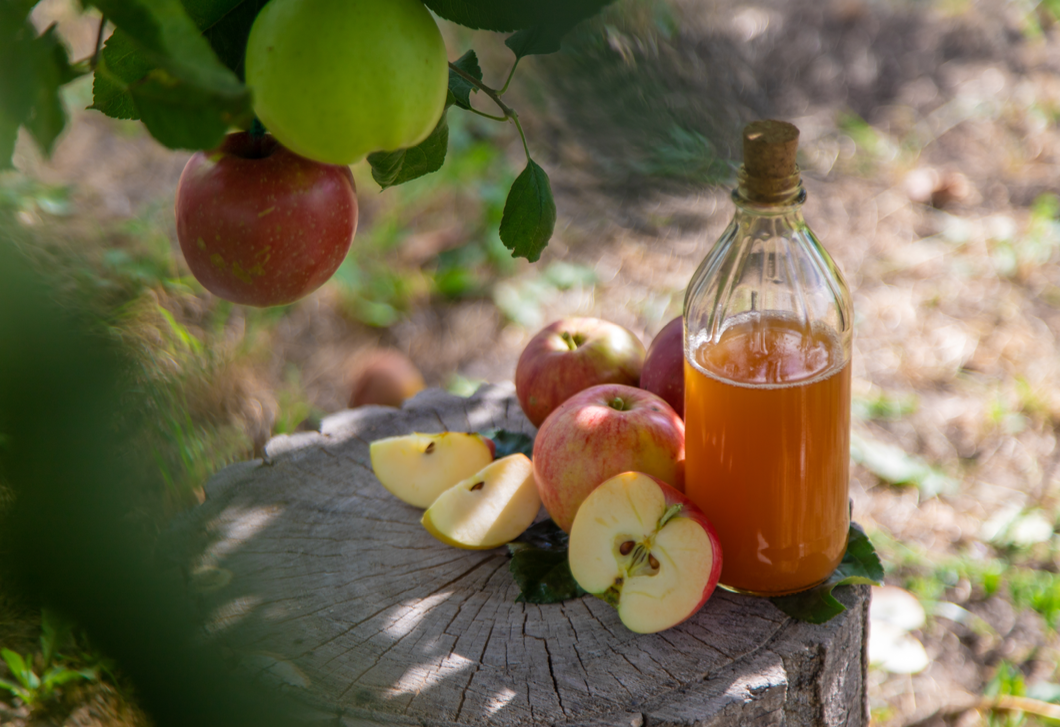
477, 486
626, 547
430, 448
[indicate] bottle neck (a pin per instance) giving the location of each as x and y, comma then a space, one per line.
775, 193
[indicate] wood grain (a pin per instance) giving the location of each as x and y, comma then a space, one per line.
321, 581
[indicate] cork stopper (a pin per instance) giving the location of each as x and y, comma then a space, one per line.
769, 148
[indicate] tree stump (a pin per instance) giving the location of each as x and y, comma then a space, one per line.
317, 577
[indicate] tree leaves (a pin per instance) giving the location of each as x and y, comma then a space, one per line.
158, 67
403, 165
860, 564
529, 213
32, 69
459, 87
509, 15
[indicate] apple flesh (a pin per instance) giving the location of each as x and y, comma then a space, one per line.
601, 432
260, 225
664, 366
489, 509
417, 467
571, 355
646, 549
335, 80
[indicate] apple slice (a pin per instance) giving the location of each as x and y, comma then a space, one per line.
487, 510
417, 467
646, 549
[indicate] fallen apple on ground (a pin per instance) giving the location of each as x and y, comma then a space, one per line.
646, 549
417, 467
664, 366
571, 355
489, 509
599, 433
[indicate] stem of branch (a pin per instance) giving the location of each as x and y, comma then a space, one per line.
99, 42
508, 80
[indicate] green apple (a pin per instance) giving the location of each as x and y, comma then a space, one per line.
489, 509
418, 467
335, 80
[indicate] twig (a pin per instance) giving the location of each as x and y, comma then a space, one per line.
99, 42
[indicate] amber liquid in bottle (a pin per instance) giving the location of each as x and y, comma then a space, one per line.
768, 331
767, 416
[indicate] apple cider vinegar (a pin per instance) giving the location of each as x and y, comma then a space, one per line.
767, 420
768, 327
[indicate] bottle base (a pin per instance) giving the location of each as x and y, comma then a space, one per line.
771, 594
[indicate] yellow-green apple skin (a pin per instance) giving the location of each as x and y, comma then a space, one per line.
646, 549
571, 355
489, 509
601, 432
418, 467
335, 80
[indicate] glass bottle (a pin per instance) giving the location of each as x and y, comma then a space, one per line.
768, 333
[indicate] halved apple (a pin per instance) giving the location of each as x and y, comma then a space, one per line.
646, 549
418, 467
487, 510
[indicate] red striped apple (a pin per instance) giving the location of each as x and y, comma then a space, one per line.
418, 467
571, 355
260, 225
664, 366
492, 507
646, 549
599, 433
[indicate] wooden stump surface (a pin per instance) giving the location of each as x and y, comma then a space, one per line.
321, 580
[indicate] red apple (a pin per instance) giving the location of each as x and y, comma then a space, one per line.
260, 225
571, 355
646, 549
599, 433
664, 366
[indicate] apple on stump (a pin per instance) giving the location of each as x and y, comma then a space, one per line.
646, 549
417, 468
601, 432
571, 355
664, 366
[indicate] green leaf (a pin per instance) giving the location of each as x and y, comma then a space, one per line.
158, 67
18, 691
19, 669
529, 213
545, 37
511, 443
56, 633
540, 566
397, 167
509, 15
860, 564
227, 31
32, 69
460, 89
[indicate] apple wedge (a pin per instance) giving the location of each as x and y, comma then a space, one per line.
417, 467
487, 510
646, 549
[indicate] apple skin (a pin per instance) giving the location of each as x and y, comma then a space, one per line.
571, 355
587, 440
664, 366
260, 225
386, 378
335, 80
596, 565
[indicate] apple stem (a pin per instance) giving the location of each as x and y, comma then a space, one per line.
671, 512
618, 404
